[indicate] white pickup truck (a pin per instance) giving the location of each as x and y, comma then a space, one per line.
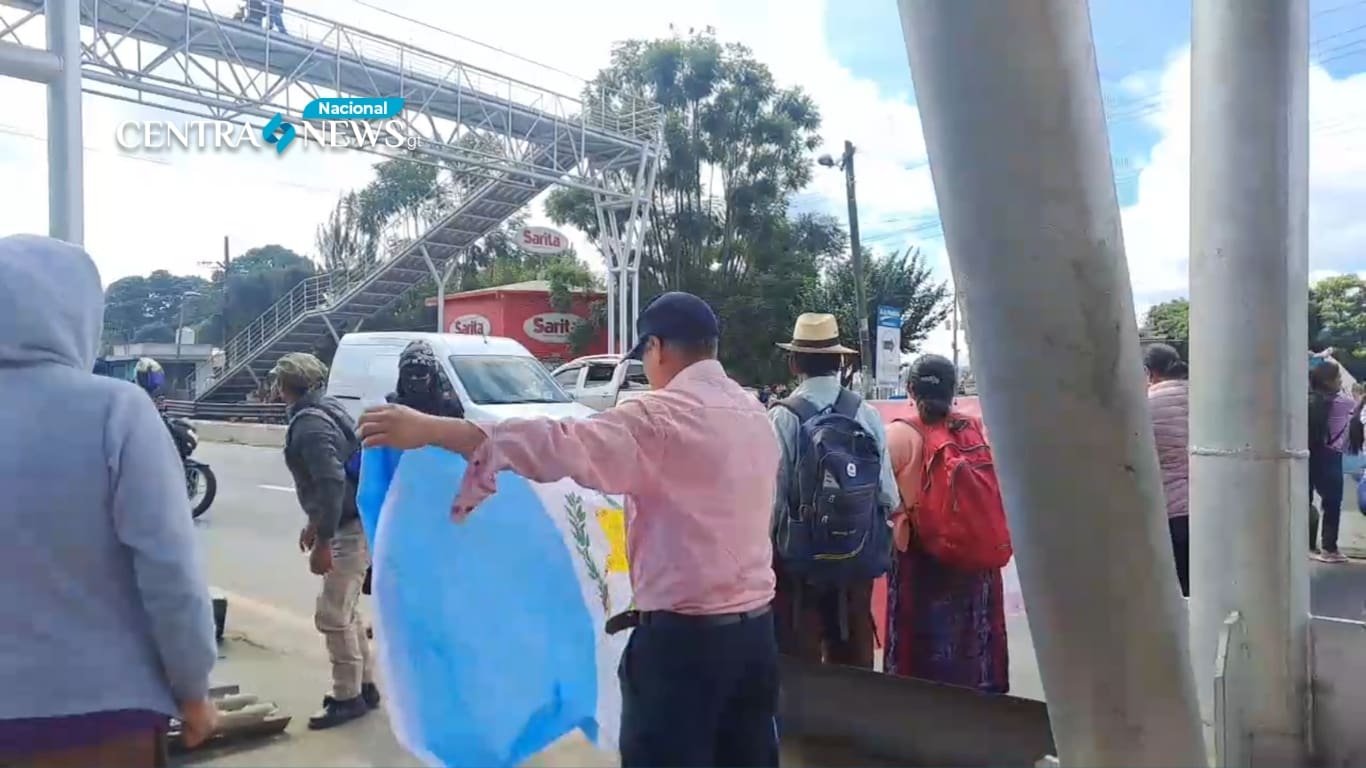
602, 381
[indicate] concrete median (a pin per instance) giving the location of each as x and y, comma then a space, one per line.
260, 435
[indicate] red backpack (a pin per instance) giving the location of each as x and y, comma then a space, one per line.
960, 518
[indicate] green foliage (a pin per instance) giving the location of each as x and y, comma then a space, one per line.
148, 308
902, 280
1170, 320
1337, 319
1338, 309
736, 148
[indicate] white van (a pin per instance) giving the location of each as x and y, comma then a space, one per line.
494, 378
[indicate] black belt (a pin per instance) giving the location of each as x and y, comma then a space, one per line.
631, 619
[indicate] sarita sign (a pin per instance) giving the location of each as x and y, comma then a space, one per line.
475, 325
542, 240
551, 327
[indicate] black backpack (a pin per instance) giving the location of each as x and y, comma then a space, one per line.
835, 529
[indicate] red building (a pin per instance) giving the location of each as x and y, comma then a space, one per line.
522, 311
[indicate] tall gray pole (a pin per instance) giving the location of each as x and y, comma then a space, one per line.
65, 161
856, 252
1011, 107
1248, 423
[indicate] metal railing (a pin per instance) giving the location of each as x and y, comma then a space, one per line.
326, 291
258, 413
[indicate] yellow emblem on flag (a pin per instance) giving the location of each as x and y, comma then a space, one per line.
612, 520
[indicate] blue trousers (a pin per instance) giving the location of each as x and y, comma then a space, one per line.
1326, 479
698, 694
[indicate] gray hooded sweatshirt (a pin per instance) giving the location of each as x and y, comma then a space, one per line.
103, 604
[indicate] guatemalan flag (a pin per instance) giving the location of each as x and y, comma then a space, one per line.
489, 632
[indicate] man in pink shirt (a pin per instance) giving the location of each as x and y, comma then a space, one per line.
697, 461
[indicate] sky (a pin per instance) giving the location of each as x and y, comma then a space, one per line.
173, 211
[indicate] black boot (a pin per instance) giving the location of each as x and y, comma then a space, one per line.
335, 712
370, 693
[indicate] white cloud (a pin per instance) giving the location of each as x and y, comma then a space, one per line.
142, 215
1157, 226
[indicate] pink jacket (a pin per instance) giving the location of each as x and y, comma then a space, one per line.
1169, 407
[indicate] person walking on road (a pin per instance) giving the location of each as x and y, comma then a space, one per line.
833, 495
322, 451
106, 625
1169, 407
945, 597
696, 460
1330, 412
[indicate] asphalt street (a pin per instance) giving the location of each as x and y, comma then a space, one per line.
249, 541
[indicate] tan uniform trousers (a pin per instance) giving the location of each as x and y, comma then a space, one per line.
338, 613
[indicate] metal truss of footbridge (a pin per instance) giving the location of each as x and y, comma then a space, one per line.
508, 141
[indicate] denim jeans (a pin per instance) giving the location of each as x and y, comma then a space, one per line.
1325, 478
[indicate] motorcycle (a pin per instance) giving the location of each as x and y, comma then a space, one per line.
200, 482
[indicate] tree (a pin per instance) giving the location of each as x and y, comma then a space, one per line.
736, 148
256, 280
1338, 309
136, 306
346, 240
1170, 321
902, 280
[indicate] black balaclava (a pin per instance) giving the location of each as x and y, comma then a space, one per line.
419, 380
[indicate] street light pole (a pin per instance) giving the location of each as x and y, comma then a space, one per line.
180, 323
846, 164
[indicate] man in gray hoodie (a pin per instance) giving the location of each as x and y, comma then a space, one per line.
106, 626
320, 451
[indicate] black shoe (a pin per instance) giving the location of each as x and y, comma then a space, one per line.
370, 693
336, 712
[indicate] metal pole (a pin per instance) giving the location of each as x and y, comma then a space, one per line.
856, 252
1021, 164
65, 162
635, 302
955, 332
1248, 272
612, 309
30, 64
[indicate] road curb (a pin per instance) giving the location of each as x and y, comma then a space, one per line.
259, 435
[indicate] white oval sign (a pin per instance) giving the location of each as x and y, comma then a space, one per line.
551, 327
475, 325
542, 240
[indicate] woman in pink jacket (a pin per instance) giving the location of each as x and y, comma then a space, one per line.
1169, 406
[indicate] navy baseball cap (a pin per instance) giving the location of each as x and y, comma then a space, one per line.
675, 316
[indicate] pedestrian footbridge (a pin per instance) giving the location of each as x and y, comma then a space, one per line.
506, 140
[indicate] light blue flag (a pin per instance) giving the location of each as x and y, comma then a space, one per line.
489, 632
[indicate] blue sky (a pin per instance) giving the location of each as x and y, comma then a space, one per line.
849, 55
1132, 38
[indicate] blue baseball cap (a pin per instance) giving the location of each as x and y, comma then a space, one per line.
675, 316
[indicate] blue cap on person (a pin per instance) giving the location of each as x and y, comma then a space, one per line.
675, 316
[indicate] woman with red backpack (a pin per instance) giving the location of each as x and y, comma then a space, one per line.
945, 601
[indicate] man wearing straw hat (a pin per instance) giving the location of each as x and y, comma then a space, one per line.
835, 491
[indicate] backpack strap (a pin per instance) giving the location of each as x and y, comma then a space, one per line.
800, 407
847, 403
346, 431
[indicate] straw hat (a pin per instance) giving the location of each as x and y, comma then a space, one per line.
816, 334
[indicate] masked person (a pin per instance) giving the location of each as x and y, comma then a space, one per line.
321, 452
422, 387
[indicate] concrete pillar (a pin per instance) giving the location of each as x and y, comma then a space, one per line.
1011, 106
1248, 274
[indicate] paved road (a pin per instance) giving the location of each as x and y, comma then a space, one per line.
249, 540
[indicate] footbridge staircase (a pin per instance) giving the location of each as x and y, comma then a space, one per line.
506, 140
